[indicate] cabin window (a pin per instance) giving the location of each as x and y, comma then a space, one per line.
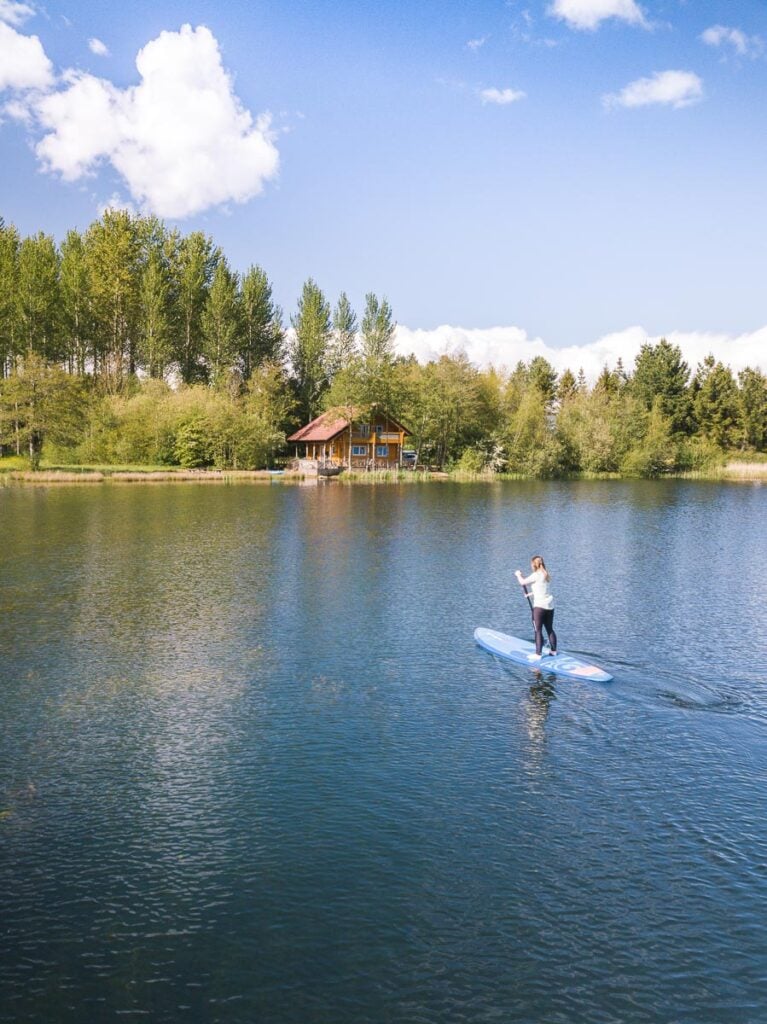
363, 429
359, 449
382, 451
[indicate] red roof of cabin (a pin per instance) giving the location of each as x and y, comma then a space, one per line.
330, 424
323, 428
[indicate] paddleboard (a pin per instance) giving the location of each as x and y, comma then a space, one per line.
523, 653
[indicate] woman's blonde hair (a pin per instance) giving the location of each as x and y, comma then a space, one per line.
538, 563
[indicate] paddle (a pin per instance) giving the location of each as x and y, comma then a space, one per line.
528, 595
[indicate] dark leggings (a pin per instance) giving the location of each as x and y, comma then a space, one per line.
544, 617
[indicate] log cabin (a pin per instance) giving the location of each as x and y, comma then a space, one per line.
350, 439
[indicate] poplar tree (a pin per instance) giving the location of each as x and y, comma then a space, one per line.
9, 272
113, 253
191, 272
262, 335
309, 350
377, 383
37, 297
155, 322
77, 325
343, 348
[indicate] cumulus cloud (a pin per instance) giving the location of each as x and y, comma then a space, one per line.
181, 139
96, 46
477, 44
742, 44
501, 97
23, 62
667, 88
589, 14
14, 13
504, 347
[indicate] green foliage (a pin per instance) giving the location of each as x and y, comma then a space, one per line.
309, 351
717, 405
262, 337
39, 403
660, 374
221, 323
84, 325
753, 407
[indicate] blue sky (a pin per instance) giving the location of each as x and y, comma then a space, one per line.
529, 166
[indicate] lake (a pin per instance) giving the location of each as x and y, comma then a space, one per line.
255, 769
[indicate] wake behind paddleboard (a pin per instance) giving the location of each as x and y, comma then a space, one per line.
523, 653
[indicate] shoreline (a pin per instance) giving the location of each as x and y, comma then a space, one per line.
732, 472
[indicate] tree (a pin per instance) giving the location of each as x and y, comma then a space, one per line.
567, 387
39, 403
37, 297
262, 335
77, 327
268, 406
221, 322
717, 404
753, 407
113, 253
661, 373
542, 376
446, 408
192, 264
309, 349
377, 332
9, 272
343, 348
155, 345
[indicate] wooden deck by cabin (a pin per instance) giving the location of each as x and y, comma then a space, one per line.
349, 439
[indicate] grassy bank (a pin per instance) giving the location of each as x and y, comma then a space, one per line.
15, 469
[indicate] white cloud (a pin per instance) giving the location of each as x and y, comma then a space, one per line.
668, 88
23, 63
589, 14
504, 347
502, 97
15, 13
181, 139
744, 46
96, 46
477, 44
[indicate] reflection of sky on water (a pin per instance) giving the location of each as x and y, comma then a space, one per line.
269, 765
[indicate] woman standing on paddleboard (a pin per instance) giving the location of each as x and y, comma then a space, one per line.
543, 602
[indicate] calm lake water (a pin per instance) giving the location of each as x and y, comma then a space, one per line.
254, 769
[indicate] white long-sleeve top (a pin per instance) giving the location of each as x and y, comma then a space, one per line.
542, 596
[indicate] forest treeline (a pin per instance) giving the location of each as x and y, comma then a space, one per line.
132, 343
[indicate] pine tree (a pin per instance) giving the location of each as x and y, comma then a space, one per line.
661, 373
717, 404
542, 376
753, 407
